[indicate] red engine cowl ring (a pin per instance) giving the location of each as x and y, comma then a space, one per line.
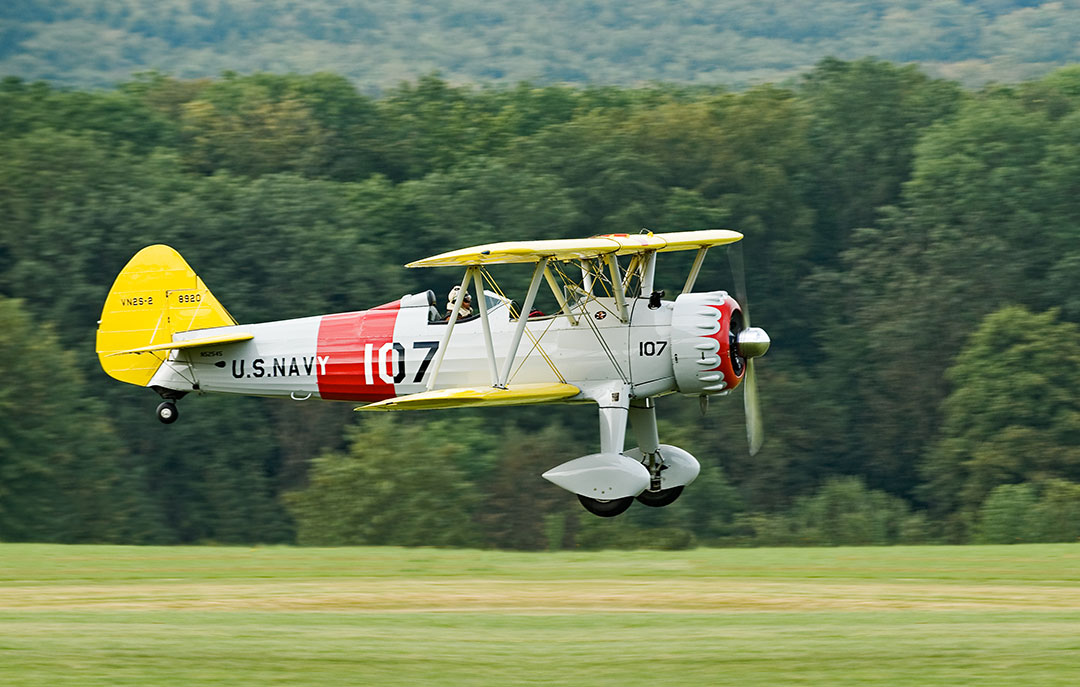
704, 329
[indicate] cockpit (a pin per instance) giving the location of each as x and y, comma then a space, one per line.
427, 299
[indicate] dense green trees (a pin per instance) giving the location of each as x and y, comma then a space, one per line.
901, 232
398, 484
63, 471
1022, 513
1013, 414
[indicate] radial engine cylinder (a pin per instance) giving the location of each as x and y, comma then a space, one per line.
704, 335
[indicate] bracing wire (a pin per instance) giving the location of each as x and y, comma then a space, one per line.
592, 325
535, 340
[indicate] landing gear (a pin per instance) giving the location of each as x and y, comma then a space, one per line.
660, 497
167, 412
653, 473
606, 509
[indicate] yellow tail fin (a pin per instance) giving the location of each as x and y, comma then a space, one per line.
156, 295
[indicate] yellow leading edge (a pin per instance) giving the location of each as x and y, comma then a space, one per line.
467, 397
156, 295
509, 252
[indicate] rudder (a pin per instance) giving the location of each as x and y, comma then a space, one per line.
156, 295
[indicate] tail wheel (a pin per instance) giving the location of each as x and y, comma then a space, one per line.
606, 509
167, 412
660, 497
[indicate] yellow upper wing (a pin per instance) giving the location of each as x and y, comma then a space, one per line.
689, 240
578, 249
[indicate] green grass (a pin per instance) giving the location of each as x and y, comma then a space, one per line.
384, 616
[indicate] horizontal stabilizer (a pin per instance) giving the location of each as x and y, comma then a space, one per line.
469, 397
190, 343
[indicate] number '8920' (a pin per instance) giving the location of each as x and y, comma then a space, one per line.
189, 298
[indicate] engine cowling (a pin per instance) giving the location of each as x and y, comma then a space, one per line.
704, 343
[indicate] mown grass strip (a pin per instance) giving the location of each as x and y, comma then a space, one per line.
188, 616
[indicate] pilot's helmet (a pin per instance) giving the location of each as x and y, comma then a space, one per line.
452, 296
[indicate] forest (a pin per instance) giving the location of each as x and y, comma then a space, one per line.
376, 45
911, 247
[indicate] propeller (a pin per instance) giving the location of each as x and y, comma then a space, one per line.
751, 342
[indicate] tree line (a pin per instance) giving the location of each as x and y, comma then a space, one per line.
911, 246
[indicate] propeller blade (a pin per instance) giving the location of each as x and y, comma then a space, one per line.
755, 431
703, 404
738, 272
755, 343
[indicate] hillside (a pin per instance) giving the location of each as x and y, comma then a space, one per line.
98, 43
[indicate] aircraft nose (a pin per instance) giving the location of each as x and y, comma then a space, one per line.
753, 342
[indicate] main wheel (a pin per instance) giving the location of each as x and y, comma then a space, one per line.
660, 498
606, 509
167, 412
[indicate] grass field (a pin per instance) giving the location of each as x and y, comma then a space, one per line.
100, 615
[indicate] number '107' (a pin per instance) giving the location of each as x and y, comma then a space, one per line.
650, 348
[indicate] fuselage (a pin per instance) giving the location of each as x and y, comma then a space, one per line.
390, 351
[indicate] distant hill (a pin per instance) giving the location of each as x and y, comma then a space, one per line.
377, 44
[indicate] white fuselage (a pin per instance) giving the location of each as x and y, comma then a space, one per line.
391, 351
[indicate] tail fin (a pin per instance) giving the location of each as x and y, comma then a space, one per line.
156, 295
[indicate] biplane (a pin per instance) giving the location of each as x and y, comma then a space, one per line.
611, 340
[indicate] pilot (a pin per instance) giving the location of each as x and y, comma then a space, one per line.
466, 304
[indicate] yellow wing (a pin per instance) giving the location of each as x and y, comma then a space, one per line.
578, 249
468, 397
689, 240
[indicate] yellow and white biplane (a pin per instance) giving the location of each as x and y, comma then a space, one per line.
614, 341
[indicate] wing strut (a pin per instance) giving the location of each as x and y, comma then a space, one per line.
648, 273
564, 307
616, 285
586, 278
481, 301
699, 259
450, 327
523, 319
